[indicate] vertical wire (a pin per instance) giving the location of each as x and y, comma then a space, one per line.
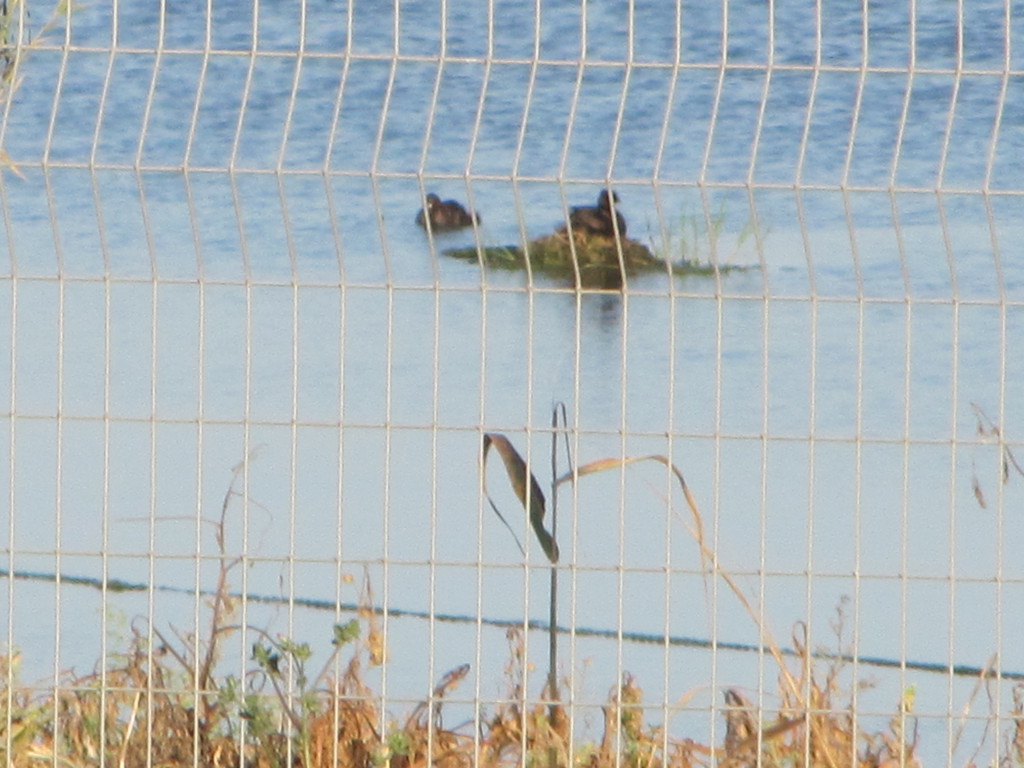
1004, 340
620, 116
954, 399
576, 410
663, 135
952, 517
909, 315
280, 173
435, 408
339, 526
531, 429
105, 504
517, 196
947, 134
332, 210
766, 306
813, 317
951, 580
478, 122
428, 133
570, 123
293, 93
154, 416
59, 486
531, 316
482, 349
107, 322
293, 464
904, 566
954, 369
433, 703
719, 331
812, 374
858, 449
389, 344
673, 429
154, 360
954, 301
200, 405
814, 306
58, 250
575, 429
12, 465
293, 409
716, 103
201, 291
12, 402
248, 290
858, 437
151, 555
478, 565
517, 156
623, 429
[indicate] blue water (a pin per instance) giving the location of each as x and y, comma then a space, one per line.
240, 273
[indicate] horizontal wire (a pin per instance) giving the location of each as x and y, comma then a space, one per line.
319, 171
392, 57
117, 585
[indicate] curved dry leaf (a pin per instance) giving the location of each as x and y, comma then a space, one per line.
6, 162
603, 465
525, 486
979, 495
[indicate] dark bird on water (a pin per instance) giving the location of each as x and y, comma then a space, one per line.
445, 215
602, 219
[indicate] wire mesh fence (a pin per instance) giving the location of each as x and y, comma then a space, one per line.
562, 383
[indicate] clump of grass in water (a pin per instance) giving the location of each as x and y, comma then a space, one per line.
589, 261
593, 261
697, 245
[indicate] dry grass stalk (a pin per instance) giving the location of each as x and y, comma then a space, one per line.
1015, 751
143, 711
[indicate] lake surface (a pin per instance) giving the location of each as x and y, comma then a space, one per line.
212, 256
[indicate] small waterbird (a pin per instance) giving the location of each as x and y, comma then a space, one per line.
445, 215
603, 219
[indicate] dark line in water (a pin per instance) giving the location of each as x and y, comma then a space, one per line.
117, 585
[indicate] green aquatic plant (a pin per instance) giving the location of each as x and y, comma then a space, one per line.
588, 261
701, 241
596, 262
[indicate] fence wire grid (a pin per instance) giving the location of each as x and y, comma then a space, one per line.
499, 383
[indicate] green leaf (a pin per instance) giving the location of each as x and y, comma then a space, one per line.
268, 660
345, 633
